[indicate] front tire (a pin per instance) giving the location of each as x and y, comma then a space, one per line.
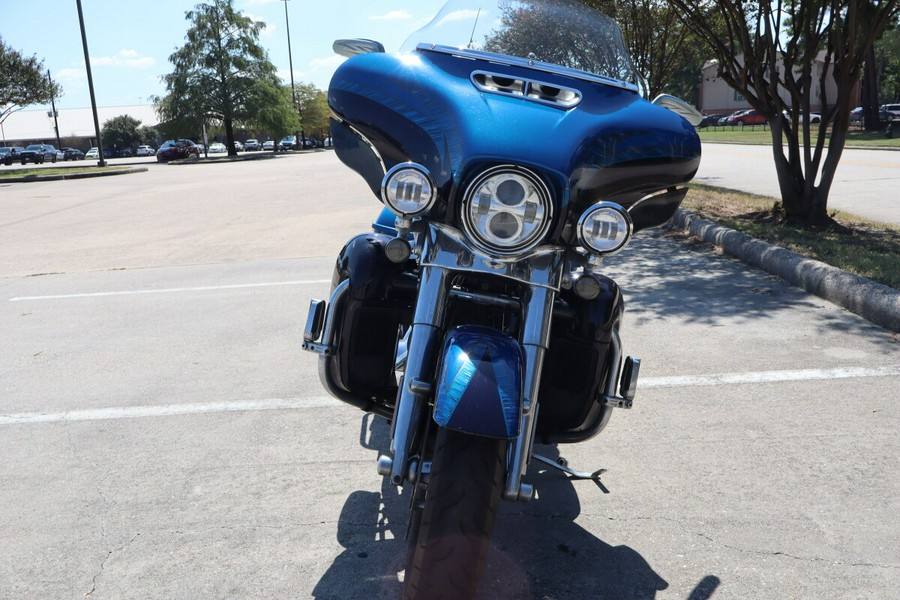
461, 504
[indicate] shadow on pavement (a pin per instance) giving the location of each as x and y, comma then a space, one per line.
682, 279
537, 549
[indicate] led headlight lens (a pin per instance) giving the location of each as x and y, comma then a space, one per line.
604, 228
507, 209
408, 190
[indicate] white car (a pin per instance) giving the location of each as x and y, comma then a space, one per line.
238, 146
268, 145
92, 153
143, 150
217, 148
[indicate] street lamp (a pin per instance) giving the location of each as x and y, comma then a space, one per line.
87, 61
287, 23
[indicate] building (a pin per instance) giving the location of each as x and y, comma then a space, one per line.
717, 98
76, 125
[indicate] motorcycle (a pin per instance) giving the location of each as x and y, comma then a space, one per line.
513, 150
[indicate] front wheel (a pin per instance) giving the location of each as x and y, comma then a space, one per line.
460, 507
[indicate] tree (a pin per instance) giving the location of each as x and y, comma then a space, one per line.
148, 135
223, 74
120, 132
779, 56
314, 109
563, 33
24, 82
660, 45
887, 56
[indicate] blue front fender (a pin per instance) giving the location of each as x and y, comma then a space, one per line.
480, 383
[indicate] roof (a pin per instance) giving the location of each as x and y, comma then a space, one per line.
73, 122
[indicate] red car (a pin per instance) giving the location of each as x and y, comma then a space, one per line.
747, 117
174, 149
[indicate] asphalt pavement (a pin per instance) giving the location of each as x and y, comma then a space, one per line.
164, 436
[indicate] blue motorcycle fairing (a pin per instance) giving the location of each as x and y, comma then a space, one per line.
479, 387
423, 107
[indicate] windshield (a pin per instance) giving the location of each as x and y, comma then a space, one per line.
563, 33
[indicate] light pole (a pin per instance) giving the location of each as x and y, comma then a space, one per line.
55, 115
287, 23
87, 61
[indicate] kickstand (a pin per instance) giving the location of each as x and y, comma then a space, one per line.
562, 465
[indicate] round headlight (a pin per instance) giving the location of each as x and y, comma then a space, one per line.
604, 228
408, 190
507, 209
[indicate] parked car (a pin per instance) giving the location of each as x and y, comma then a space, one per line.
72, 154
892, 111
92, 153
217, 148
10, 154
144, 150
814, 117
858, 114
251, 144
288, 142
707, 121
238, 146
327, 143
39, 154
747, 117
725, 118
175, 149
268, 145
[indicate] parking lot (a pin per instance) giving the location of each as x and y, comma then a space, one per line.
163, 435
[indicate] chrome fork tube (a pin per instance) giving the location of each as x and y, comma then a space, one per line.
535, 339
418, 381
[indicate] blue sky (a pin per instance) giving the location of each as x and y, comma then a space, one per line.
130, 40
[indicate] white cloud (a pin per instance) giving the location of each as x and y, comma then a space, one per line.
70, 76
124, 58
331, 63
268, 29
394, 15
459, 15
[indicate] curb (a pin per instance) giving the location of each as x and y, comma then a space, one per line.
874, 302
83, 175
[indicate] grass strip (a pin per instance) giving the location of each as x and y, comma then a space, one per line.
869, 248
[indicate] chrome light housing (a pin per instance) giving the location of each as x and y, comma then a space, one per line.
507, 209
605, 228
408, 190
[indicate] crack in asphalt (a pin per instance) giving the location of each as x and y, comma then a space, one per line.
109, 553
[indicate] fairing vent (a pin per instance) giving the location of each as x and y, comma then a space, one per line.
536, 91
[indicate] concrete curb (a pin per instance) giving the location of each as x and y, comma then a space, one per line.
874, 302
82, 175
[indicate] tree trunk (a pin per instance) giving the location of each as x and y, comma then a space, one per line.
229, 137
804, 205
870, 92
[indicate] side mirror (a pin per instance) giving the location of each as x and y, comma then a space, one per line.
356, 46
679, 106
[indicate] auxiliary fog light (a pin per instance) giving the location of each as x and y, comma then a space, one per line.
604, 228
587, 286
408, 190
397, 250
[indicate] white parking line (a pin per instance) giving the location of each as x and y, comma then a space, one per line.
132, 412
767, 377
237, 286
